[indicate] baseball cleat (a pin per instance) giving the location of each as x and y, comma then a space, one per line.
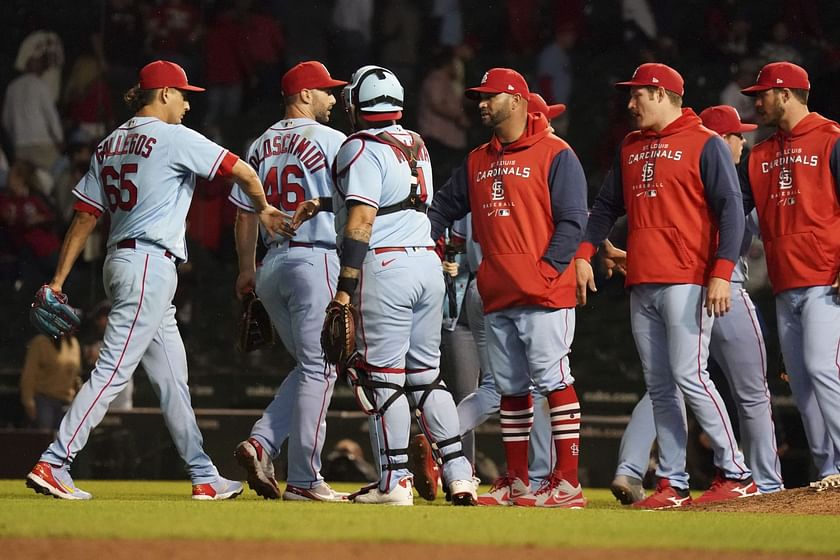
728, 489
464, 492
219, 489
54, 481
665, 497
399, 495
503, 492
554, 493
627, 489
321, 493
256, 461
422, 464
830, 481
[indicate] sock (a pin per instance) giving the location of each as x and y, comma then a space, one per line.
565, 431
517, 417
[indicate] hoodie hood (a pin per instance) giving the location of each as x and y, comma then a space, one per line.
688, 119
812, 121
536, 128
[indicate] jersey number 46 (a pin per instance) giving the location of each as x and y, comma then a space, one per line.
289, 193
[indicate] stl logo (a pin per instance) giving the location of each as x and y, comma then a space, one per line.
497, 191
575, 449
647, 172
785, 179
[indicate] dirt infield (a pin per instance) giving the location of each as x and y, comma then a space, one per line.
67, 549
798, 501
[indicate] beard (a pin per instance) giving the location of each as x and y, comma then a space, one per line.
771, 114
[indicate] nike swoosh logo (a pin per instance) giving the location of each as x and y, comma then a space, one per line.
386, 263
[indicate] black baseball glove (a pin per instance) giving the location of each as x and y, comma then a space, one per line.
338, 335
254, 329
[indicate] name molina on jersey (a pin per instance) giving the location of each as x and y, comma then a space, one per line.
308, 152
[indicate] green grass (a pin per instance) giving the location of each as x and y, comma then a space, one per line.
157, 510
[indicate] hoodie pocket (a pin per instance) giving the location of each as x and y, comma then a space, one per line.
507, 277
797, 253
662, 246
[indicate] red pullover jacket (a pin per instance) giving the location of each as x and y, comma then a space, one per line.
792, 180
528, 204
684, 210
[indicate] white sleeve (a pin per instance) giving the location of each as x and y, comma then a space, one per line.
359, 173
193, 152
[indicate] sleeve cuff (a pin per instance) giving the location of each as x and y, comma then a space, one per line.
226, 167
722, 269
82, 206
586, 251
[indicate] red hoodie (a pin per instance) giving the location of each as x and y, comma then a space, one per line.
796, 195
528, 202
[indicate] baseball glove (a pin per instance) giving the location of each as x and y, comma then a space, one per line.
254, 329
338, 335
51, 314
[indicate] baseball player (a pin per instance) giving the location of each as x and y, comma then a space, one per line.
737, 345
669, 177
293, 158
388, 263
793, 181
143, 174
527, 193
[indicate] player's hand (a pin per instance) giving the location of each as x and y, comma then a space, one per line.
450, 268
718, 297
246, 283
585, 279
615, 259
306, 210
342, 297
277, 222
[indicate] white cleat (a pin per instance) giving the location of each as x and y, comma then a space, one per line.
219, 489
399, 495
503, 492
464, 492
321, 493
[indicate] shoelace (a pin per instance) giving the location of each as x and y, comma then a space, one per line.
501, 482
548, 485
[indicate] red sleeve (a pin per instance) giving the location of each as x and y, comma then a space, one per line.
226, 167
722, 269
82, 206
586, 251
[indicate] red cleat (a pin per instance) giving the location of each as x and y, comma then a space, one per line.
728, 489
665, 497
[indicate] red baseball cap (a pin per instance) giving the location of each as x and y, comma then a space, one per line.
499, 80
308, 75
724, 119
536, 104
162, 73
656, 75
779, 75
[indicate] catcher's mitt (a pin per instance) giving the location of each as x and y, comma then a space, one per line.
51, 314
338, 335
254, 329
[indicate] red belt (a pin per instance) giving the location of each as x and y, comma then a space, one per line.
132, 243
307, 245
299, 244
380, 250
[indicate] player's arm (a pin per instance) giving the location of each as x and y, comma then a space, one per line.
451, 202
275, 221
723, 195
569, 210
354, 248
74, 241
246, 230
834, 163
608, 207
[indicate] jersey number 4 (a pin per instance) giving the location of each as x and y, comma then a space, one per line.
289, 193
119, 188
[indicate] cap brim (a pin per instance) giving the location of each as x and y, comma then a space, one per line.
746, 127
475, 93
623, 85
753, 90
191, 88
555, 111
328, 84
379, 117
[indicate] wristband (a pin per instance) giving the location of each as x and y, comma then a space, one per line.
347, 285
325, 203
353, 252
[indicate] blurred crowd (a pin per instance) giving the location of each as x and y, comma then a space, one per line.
69, 63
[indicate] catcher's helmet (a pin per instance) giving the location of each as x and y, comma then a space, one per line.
375, 92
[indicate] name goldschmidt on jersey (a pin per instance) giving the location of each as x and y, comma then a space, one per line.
304, 148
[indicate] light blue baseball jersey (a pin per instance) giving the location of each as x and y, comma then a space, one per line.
294, 160
144, 174
378, 175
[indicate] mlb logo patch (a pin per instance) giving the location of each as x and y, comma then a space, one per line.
504, 212
650, 194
